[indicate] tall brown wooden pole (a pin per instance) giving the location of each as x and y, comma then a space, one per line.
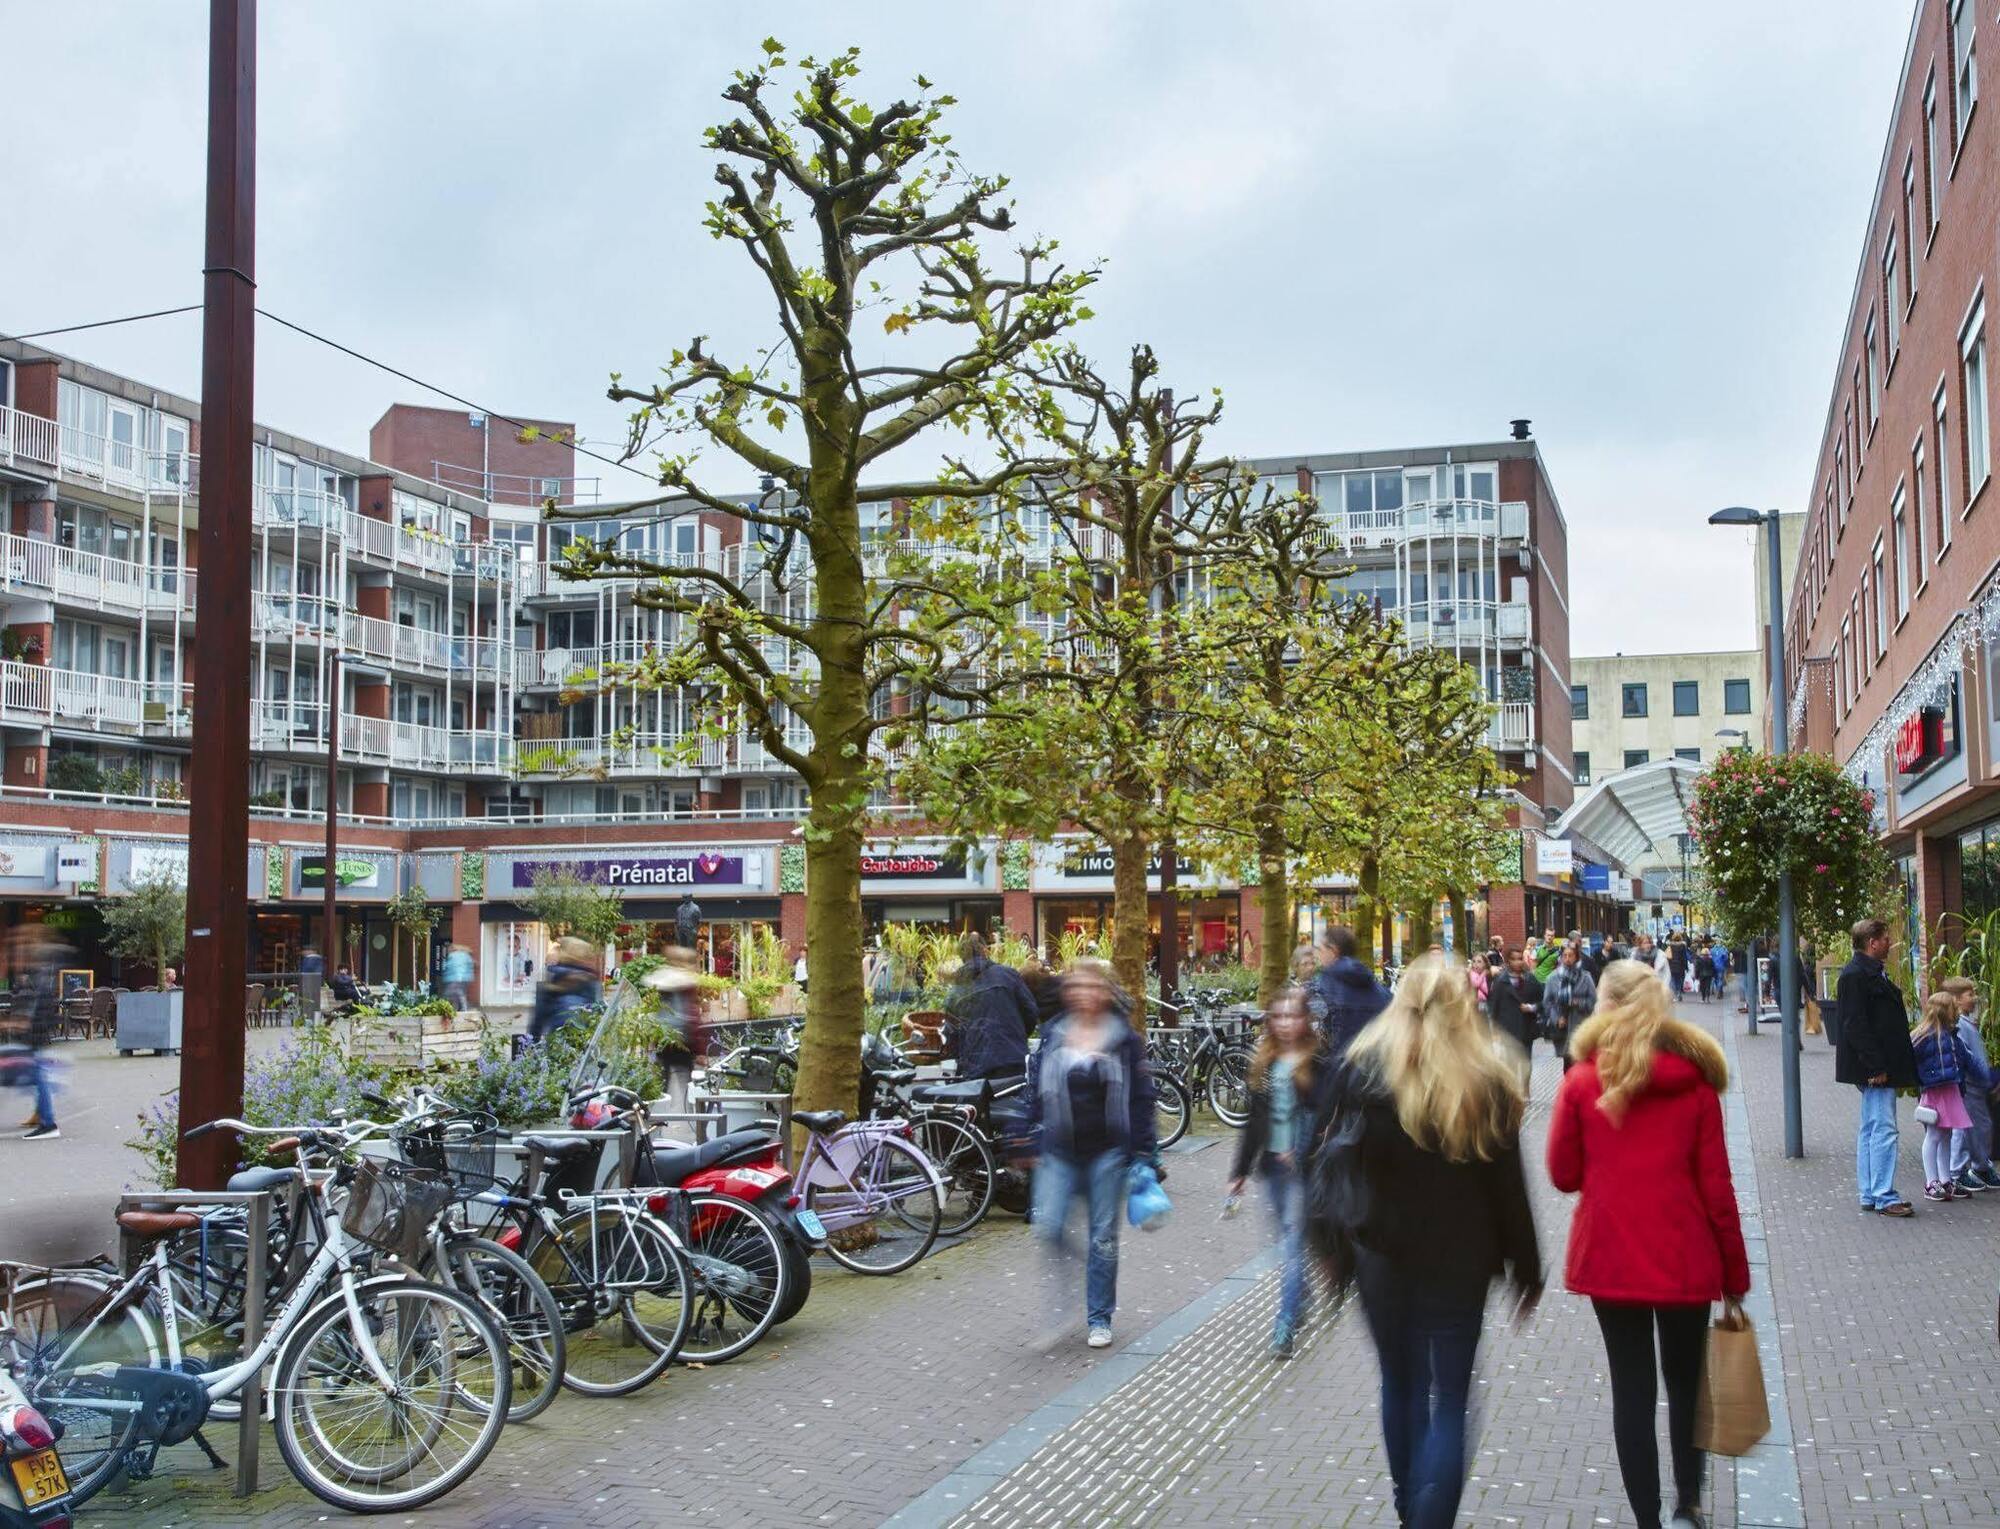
219, 817
332, 882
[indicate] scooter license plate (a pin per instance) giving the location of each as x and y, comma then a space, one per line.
810, 1224
40, 1478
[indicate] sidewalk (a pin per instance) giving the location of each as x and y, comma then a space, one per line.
919, 1399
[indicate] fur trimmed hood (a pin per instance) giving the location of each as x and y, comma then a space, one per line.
1677, 1038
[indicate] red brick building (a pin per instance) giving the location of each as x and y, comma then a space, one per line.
1894, 611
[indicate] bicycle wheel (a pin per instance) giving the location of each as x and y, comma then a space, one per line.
1229, 1087
352, 1444
521, 1306
965, 1163
622, 1288
737, 1272
1171, 1107
56, 1344
887, 1216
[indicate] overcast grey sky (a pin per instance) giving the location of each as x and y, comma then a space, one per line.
1372, 224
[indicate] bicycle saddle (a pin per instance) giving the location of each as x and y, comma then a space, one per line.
820, 1122
253, 1179
150, 1224
977, 1091
559, 1149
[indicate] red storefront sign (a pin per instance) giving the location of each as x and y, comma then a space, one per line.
1920, 741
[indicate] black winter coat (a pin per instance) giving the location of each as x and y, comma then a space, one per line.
1438, 1224
1874, 1027
1506, 996
1346, 996
992, 1012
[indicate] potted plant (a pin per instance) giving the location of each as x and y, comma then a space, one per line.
149, 924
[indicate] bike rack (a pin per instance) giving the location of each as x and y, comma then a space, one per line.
257, 1211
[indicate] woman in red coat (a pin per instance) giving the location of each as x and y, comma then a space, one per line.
1637, 1128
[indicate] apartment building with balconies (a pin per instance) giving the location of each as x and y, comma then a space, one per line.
465, 734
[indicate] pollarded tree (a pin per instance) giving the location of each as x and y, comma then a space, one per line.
1420, 785
1298, 671
894, 318
1090, 728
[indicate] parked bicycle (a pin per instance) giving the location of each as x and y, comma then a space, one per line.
386, 1391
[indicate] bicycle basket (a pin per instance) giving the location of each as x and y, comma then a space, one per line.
462, 1148
391, 1205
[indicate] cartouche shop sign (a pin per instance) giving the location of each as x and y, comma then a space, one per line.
623, 871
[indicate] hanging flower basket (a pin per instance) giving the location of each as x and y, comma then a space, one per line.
1755, 815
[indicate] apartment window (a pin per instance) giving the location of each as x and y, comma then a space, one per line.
1910, 223
1687, 698
1841, 650
1843, 483
1634, 699
1579, 770
1972, 356
1881, 603
1692, 756
1965, 68
1941, 422
1873, 361
1579, 702
1736, 697
1917, 508
1899, 522
1892, 295
1931, 150
1636, 757
1857, 426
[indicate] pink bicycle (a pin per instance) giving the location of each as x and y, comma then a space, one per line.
879, 1197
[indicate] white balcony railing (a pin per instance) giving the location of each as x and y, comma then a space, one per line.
41, 696
27, 440
282, 509
426, 552
1513, 726
30, 565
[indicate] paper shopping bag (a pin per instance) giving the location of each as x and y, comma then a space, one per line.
1731, 1414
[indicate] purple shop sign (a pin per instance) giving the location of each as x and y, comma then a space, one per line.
627, 871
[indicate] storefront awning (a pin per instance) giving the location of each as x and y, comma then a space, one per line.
1636, 814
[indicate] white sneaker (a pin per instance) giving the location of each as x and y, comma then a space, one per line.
1100, 1337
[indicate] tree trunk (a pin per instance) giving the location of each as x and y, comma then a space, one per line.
1366, 909
829, 1075
1423, 925
1274, 905
1129, 919
1461, 931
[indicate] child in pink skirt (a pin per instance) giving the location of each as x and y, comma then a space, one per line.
1945, 1066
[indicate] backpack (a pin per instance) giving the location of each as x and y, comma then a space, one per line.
1338, 1198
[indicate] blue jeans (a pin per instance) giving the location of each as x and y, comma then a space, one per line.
1875, 1148
45, 1098
1288, 1208
1101, 1181
1426, 1340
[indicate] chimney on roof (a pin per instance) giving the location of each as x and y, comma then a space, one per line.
1520, 429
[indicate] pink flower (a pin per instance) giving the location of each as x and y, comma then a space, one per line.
1757, 791
1820, 870
1835, 811
1782, 781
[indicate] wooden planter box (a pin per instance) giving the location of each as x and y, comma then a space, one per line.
417, 1041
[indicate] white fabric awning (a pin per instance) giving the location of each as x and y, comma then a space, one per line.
1635, 815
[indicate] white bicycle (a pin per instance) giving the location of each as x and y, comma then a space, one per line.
386, 1391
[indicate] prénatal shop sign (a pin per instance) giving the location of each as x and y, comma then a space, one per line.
626, 872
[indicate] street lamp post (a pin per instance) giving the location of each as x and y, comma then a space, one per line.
1788, 944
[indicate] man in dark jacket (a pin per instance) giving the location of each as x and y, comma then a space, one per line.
1514, 999
1874, 1055
1345, 993
992, 1011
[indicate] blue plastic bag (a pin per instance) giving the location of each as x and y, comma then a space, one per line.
1146, 1203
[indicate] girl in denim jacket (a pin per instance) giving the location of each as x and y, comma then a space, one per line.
1944, 1068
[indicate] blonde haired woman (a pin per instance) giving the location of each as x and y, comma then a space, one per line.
1637, 1128
1426, 1113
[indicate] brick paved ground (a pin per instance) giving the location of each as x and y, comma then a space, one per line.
884, 1389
